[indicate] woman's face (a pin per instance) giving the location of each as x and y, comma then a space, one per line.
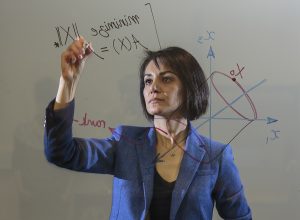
162, 91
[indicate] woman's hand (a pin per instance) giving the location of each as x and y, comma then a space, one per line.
72, 63
74, 58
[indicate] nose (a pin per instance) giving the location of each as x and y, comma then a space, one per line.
155, 87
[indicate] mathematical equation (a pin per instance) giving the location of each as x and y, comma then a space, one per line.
118, 45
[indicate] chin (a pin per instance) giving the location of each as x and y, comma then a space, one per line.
160, 114
155, 113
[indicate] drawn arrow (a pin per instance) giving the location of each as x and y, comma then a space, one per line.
271, 120
111, 129
211, 53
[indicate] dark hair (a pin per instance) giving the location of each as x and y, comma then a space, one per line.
186, 67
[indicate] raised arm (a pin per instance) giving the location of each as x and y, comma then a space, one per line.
72, 63
61, 148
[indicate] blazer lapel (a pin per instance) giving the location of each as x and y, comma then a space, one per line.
189, 166
146, 154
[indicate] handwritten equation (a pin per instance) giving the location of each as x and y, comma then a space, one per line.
118, 45
103, 31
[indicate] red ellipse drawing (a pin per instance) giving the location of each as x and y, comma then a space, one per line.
244, 92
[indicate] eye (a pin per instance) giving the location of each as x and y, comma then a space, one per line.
167, 79
148, 81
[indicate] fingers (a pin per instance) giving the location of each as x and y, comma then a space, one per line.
74, 57
88, 48
77, 51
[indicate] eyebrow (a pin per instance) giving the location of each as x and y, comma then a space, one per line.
160, 73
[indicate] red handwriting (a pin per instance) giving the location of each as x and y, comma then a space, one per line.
89, 122
238, 73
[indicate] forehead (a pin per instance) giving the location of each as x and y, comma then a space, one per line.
158, 68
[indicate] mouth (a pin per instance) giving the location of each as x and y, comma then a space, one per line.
155, 100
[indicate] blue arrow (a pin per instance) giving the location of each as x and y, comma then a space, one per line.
271, 120
211, 53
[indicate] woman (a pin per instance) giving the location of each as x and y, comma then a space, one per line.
168, 171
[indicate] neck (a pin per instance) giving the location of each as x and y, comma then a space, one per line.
170, 127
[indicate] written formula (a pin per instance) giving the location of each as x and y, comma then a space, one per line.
104, 29
123, 43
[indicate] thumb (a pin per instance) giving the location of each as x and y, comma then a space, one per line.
88, 53
88, 49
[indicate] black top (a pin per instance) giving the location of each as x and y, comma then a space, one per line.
161, 201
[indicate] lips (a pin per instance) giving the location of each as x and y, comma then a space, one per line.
155, 100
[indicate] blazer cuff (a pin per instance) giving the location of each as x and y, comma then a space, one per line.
53, 116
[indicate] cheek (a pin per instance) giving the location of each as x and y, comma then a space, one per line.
179, 99
180, 95
177, 94
144, 93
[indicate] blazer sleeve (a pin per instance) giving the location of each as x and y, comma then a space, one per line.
79, 154
230, 198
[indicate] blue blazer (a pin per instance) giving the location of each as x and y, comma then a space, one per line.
207, 173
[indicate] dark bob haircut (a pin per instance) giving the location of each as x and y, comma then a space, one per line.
186, 67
